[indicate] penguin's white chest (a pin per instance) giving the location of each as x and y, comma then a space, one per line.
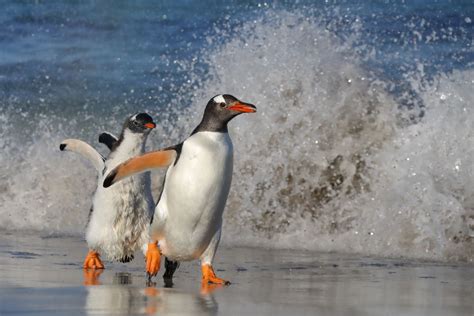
194, 196
119, 221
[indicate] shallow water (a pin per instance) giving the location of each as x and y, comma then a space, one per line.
362, 142
46, 278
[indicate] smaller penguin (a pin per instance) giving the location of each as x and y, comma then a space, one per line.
119, 218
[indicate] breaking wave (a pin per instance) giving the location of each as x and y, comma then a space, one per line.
332, 161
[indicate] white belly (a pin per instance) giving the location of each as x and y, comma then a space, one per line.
118, 225
190, 210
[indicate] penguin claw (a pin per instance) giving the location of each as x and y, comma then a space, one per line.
153, 259
209, 276
93, 261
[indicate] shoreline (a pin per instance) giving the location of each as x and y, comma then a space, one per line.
45, 276
224, 245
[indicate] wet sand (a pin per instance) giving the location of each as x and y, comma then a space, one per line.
43, 276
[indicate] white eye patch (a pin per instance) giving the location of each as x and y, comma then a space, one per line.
219, 99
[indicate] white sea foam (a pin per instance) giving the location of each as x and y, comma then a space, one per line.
331, 161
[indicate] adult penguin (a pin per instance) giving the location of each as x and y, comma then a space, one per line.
119, 217
187, 222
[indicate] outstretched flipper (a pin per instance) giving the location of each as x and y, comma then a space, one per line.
108, 140
85, 150
146, 162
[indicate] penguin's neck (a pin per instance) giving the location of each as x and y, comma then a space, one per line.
211, 124
130, 144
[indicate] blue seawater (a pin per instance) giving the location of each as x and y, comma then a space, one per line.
362, 143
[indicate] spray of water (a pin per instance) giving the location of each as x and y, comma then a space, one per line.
330, 162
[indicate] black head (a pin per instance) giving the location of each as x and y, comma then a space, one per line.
140, 123
220, 110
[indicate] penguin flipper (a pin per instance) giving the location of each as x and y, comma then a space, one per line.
85, 150
146, 162
108, 140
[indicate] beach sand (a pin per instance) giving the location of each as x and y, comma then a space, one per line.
44, 276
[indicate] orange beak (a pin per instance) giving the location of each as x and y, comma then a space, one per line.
243, 107
150, 125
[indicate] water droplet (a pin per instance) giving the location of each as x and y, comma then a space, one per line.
443, 97
467, 20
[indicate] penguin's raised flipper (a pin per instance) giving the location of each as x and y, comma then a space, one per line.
146, 162
108, 140
85, 150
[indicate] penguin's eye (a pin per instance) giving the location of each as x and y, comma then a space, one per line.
222, 105
135, 123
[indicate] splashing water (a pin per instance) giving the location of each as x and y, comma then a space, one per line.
331, 161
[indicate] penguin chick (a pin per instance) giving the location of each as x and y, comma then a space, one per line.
120, 216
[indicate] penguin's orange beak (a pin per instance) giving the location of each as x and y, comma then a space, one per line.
243, 107
150, 125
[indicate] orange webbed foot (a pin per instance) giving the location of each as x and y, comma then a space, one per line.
153, 259
93, 261
209, 276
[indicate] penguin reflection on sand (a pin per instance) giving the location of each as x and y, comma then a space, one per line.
188, 217
120, 216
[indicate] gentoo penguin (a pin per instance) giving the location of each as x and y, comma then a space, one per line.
188, 217
120, 215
